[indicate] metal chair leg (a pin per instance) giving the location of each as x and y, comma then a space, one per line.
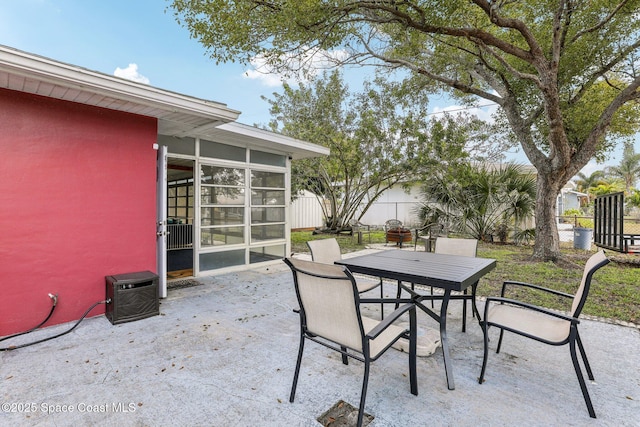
413, 339
297, 372
583, 385
381, 299
363, 396
345, 358
584, 357
464, 311
485, 356
500, 341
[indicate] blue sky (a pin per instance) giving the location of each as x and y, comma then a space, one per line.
141, 39
106, 35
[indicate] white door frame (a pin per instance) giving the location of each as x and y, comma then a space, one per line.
161, 222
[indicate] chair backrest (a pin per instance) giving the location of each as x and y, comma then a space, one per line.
326, 251
597, 260
392, 223
329, 302
437, 230
451, 246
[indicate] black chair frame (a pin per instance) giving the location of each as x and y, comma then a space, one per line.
572, 339
346, 353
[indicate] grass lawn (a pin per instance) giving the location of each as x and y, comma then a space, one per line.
615, 288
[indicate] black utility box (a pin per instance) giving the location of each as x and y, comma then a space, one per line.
133, 296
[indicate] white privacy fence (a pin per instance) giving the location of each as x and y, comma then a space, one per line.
380, 212
306, 212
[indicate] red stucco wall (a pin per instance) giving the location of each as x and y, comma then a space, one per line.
77, 203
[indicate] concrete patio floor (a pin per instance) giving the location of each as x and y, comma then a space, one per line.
223, 354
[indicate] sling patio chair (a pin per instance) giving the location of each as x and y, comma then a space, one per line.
330, 316
542, 324
327, 251
462, 247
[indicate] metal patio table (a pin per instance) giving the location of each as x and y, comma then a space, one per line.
447, 272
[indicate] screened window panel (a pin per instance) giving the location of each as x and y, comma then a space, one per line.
222, 196
261, 233
178, 145
222, 151
267, 197
267, 179
221, 236
221, 216
264, 158
266, 253
222, 176
215, 260
266, 215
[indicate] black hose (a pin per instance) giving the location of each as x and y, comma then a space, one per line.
54, 299
58, 335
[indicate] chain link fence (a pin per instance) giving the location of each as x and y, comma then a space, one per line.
567, 223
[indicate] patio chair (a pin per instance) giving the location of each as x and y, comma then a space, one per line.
542, 324
358, 229
330, 315
462, 247
428, 235
327, 251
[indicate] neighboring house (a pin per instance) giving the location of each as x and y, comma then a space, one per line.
90, 167
569, 198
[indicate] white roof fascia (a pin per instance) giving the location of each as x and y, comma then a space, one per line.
44, 69
295, 148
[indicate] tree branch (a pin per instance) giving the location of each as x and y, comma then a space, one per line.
600, 24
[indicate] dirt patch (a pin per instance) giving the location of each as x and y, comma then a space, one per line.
342, 414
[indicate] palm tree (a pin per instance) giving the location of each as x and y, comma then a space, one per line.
584, 183
628, 169
479, 201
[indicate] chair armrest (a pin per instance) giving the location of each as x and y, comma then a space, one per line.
528, 306
529, 285
388, 320
359, 225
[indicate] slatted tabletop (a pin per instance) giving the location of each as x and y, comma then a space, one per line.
448, 272
451, 272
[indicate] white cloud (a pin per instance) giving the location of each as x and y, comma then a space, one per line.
307, 65
131, 73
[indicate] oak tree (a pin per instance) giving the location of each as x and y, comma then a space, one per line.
563, 72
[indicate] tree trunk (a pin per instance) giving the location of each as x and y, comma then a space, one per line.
547, 244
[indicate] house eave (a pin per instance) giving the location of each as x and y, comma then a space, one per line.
250, 136
175, 112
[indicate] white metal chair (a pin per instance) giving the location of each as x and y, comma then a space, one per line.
542, 324
330, 315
